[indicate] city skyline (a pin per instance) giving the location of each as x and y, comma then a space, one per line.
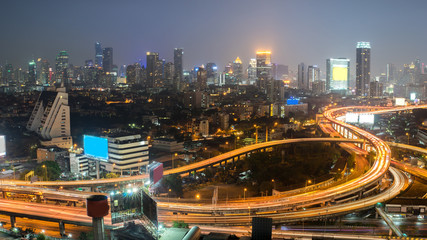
330, 29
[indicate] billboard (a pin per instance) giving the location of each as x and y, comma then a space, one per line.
96, 147
367, 118
126, 205
155, 170
149, 208
339, 73
399, 102
2, 145
351, 117
292, 101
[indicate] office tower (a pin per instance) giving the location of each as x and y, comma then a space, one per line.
42, 71
319, 87
376, 89
107, 59
61, 67
302, 82
363, 68
337, 75
122, 71
19, 76
263, 67
89, 63
169, 72
313, 74
50, 119
238, 71
211, 73
390, 73
8, 74
177, 62
202, 79
98, 54
32, 73
279, 71
153, 71
252, 70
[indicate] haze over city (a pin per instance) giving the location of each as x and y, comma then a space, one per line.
215, 31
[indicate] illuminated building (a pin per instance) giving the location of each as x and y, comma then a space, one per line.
107, 59
32, 73
211, 73
363, 68
390, 73
169, 72
61, 67
42, 71
252, 70
313, 75
98, 54
50, 119
202, 79
263, 68
177, 62
337, 74
237, 71
8, 75
302, 82
153, 69
376, 89
279, 71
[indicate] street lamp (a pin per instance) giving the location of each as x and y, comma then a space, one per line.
308, 182
256, 133
198, 196
45, 171
170, 190
407, 134
274, 183
244, 193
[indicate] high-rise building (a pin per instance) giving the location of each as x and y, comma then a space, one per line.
61, 67
50, 119
107, 59
263, 67
211, 73
169, 72
302, 82
98, 54
153, 70
390, 73
42, 71
8, 75
279, 71
32, 72
177, 62
202, 79
337, 75
363, 68
252, 70
376, 89
313, 75
238, 71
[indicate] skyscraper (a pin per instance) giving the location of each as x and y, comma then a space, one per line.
202, 79
211, 73
98, 54
263, 67
302, 82
169, 72
107, 59
237, 70
61, 67
252, 70
390, 73
32, 73
42, 71
313, 75
363, 68
153, 70
337, 75
177, 62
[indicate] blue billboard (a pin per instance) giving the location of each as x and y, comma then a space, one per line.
96, 147
292, 101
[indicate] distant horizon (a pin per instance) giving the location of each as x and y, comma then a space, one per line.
219, 31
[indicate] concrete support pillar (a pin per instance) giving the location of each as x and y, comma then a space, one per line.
97, 169
12, 221
98, 228
61, 228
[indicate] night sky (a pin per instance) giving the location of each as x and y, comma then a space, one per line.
214, 31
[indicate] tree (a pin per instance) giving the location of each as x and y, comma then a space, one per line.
111, 175
51, 169
173, 182
351, 161
41, 236
180, 224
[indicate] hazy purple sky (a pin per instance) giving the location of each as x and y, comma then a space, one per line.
214, 31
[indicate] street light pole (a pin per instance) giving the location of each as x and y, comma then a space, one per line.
244, 194
45, 172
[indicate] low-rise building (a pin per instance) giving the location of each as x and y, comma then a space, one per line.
167, 145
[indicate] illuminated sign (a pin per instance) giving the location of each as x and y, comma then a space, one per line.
96, 147
367, 118
292, 101
399, 102
2, 146
412, 96
351, 117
